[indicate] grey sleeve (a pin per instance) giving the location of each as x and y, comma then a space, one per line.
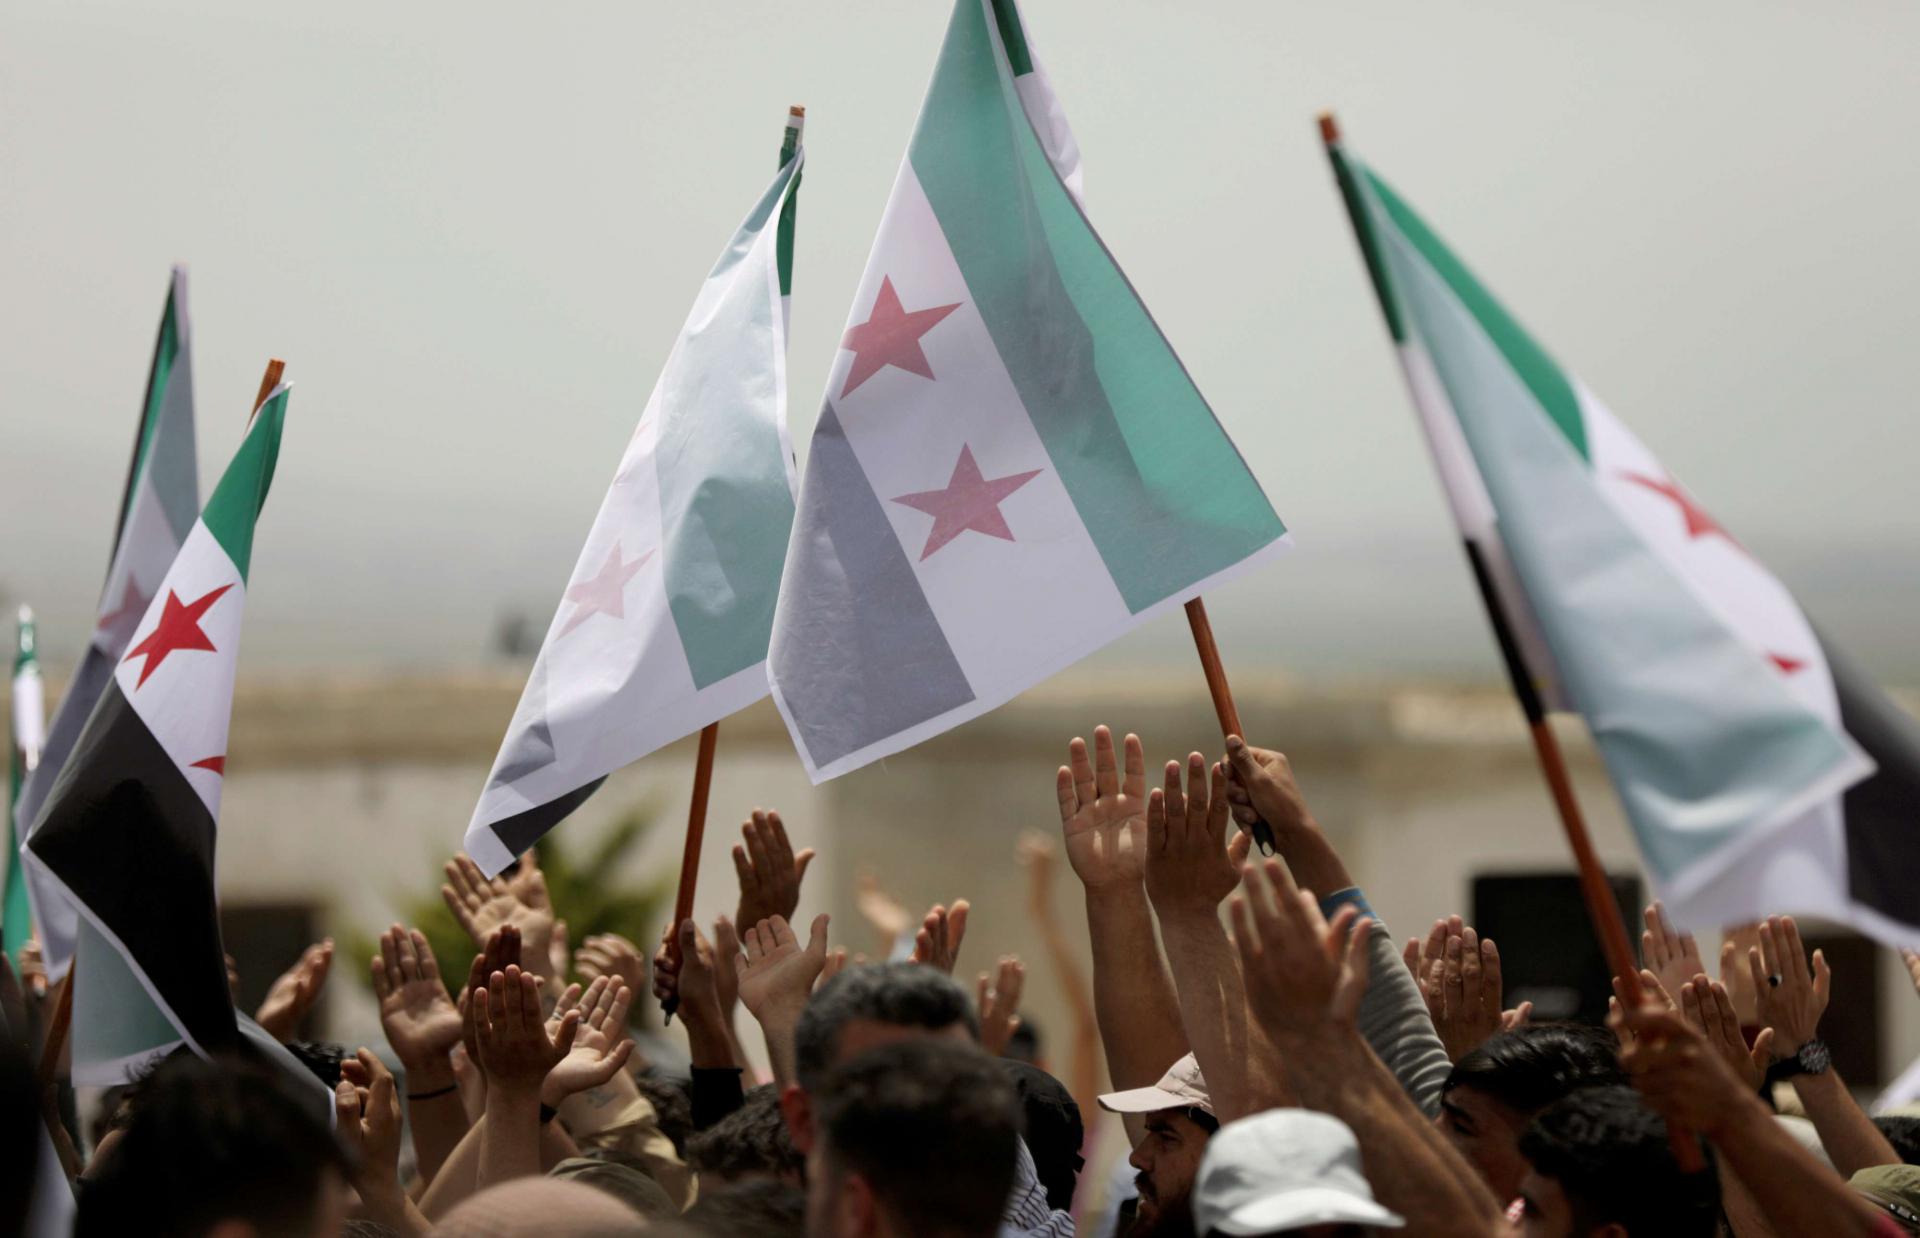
1393, 1015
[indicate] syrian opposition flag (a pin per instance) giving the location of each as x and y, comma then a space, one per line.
29, 734
159, 504
1743, 747
1012, 467
128, 830
663, 628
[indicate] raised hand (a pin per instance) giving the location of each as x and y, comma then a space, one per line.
366, 1108
937, 944
613, 956
998, 1000
421, 1022
770, 873
1038, 854
726, 967
1261, 787
516, 1049
1705, 1005
600, 1046
482, 905
1792, 996
1458, 973
698, 980
1103, 817
501, 950
884, 913
1191, 863
1671, 955
777, 975
1303, 973
294, 993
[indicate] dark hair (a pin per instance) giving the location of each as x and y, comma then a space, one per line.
903, 994
1609, 1153
753, 1139
1904, 1134
932, 1127
1054, 1131
1531, 1067
20, 1138
211, 1141
759, 1209
1024, 1044
672, 1100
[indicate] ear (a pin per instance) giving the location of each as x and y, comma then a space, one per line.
856, 1211
797, 1108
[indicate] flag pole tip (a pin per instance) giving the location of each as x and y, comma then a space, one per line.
797, 111
1329, 129
26, 613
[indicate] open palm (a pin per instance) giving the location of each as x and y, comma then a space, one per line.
1103, 816
420, 1020
600, 1045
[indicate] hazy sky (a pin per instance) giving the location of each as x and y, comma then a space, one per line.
473, 231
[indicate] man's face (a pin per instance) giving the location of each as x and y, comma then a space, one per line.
1487, 1133
1168, 1159
1549, 1214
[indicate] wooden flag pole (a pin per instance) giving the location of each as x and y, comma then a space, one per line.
1608, 924
1222, 694
690, 853
268, 382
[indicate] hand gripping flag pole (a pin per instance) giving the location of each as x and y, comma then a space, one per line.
1608, 925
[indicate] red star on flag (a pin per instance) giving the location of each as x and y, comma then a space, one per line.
123, 618
178, 629
1786, 665
969, 501
890, 336
217, 764
1699, 522
603, 593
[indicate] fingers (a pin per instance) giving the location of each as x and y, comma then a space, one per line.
817, 936
1762, 1053
1106, 771
423, 955
1757, 971
569, 1026
1492, 984
1690, 1008
1770, 950
957, 928
1454, 977
1822, 978
1470, 974
1196, 807
1216, 815
1436, 943
1795, 950
742, 869
759, 849
1239, 847
1411, 957
1157, 819
1064, 791
800, 865
1082, 766
1136, 767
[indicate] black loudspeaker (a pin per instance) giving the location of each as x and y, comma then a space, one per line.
1548, 952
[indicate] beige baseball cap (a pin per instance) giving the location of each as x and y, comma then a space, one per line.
1180, 1088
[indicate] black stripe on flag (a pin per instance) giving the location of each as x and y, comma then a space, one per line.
1883, 812
133, 843
523, 829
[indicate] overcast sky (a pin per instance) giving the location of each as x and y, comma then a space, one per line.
473, 231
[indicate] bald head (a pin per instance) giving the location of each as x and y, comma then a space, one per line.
537, 1207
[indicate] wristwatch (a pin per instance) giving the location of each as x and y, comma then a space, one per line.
1812, 1059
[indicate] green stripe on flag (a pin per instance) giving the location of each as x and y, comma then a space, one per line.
1013, 36
235, 506
166, 350
783, 252
1159, 486
1531, 362
16, 915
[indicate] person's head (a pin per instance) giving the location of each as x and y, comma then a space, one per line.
672, 1101
913, 1137
621, 1179
1495, 1090
217, 1150
1903, 1132
1599, 1166
1053, 1130
1179, 1120
760, 1209
1286, 1171
539, 1208
862, 1008
748, 1144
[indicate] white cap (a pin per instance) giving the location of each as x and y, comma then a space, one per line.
1284, 1169
1180, 1088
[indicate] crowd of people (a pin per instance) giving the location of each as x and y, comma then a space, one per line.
1277, 1064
